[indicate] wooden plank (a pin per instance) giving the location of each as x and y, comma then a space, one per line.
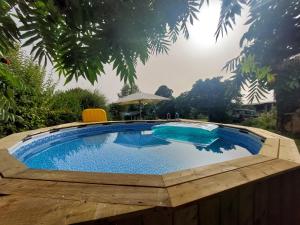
26, 211
288, 150
229, 207
137, 220
87, 192
194, 190
261, 203
187, 215
158, 216
206, 171
9, 165
246, 207
270, 147
209, 211
92, 178
287, 200
274, 206
296, 198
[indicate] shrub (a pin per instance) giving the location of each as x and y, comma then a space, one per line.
265, 121
26, 94
74, 101
60, 117
27, 100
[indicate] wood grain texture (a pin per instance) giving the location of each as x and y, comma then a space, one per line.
171, 179
246, 204
9, 165
270, 148
274, 202
158, 216
287, 199
288, 150
257, 190
261, 203
186, 215
209, 211
93, 178
86, 192
229, 207
191, 191
20, 210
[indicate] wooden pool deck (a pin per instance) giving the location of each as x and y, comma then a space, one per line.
260, 189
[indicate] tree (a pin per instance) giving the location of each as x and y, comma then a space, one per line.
287, 89
267, 45
24, 97
128, 90
164, 91
80, 36
271, 41
77, 99
183, 105
213, 97
165, 107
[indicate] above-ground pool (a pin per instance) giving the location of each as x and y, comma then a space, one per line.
135, 148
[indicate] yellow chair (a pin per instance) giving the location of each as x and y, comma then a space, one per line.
94, 115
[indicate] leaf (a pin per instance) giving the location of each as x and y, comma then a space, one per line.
31, 41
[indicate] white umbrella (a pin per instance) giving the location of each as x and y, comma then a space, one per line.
140, 98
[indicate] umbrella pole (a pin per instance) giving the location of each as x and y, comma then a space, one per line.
140, 103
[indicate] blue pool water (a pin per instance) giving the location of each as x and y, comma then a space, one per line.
135, 148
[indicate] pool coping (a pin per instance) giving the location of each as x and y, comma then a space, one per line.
278, 154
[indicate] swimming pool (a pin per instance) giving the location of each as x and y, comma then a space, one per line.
135, 148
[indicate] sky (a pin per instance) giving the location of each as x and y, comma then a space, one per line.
187, 61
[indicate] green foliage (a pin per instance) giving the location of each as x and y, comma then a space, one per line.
76, 100
249, 74
164, 91
80, 36
287, 89
165, 107
116, 109
183, 105
8, 84
9, 33
210, 98
27, 100
128, 90
273, 37
265, 121
213, 97
22, 87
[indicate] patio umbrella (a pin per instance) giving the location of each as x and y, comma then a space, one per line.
140, 98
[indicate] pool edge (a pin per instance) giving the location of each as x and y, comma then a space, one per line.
78, 199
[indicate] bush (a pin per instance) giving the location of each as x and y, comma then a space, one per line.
27, 100
265, 121
26, 93
61, 117
74, 101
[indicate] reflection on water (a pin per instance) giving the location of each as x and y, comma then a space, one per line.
136, 152
219, 146
139, 139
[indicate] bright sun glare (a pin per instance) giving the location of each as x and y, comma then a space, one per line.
203, 30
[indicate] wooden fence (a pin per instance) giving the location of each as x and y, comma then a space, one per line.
272, 201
